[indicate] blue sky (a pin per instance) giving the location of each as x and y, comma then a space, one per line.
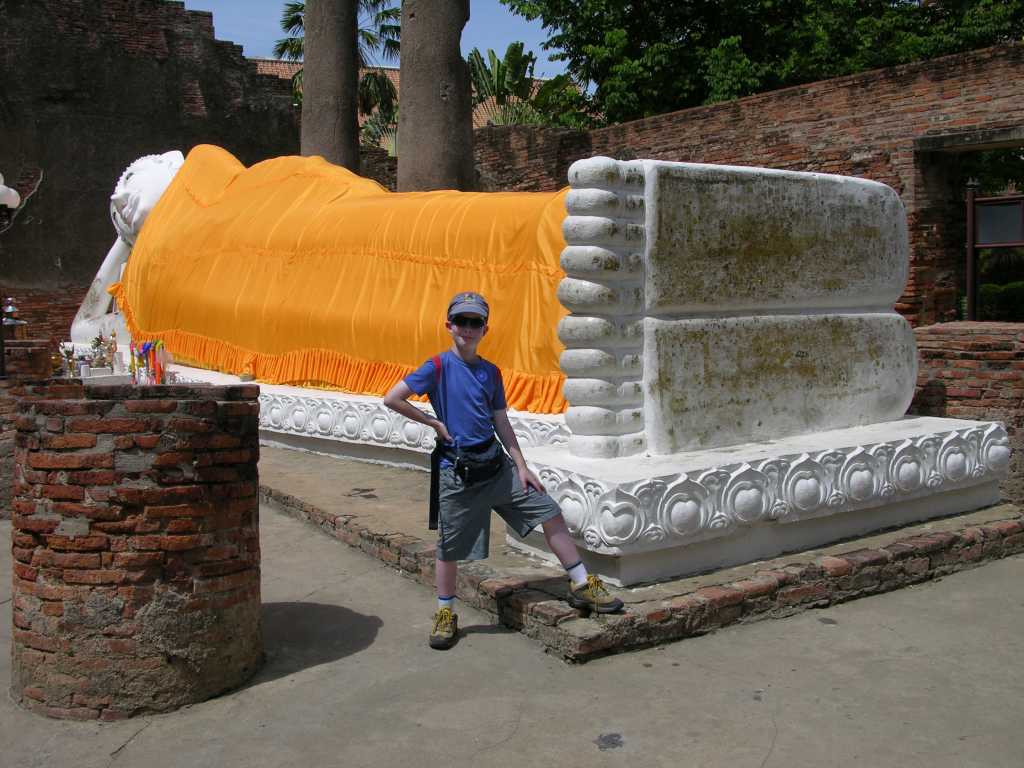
254, 24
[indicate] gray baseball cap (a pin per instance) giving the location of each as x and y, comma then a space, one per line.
467, 301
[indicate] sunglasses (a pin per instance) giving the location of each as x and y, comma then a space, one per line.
463, 321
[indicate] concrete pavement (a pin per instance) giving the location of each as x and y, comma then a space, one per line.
924, 676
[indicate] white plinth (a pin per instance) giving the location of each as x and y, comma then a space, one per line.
645, 518
359, 426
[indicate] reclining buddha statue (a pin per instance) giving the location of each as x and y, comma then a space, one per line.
704, 360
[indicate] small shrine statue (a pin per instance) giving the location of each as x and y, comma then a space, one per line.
67, 351
98, 356
113, 359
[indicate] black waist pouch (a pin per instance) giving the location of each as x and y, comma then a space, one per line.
478, 463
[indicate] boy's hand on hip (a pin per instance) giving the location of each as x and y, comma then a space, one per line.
530, 480
442, 430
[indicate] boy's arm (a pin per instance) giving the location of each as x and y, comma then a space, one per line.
507, 435
397, 399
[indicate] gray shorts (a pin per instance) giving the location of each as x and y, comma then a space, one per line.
464, 519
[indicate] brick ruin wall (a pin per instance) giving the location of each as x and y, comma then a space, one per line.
103, 83
976, 371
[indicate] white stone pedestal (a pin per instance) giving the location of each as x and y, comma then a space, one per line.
656, 517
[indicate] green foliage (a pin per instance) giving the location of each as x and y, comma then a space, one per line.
729, 72
293, 23
562, 103
1000, 265
994, 170
1003, 303
645, 58
376, 91
381, 130
502, 80
505, 90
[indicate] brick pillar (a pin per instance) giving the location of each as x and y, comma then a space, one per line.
136, 547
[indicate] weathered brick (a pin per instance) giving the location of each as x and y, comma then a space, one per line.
151, 406
77, 543
501, 587
25, 572
36, 524
197, 509
866, 557
835, 566
759, 586
93, 576
49, 559
43, 460
138, 559
180, 543
62, 492
55, 442
92, 477
108, 425
173, 458
803, 593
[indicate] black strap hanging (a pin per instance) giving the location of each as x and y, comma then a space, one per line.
435, 458
435, 484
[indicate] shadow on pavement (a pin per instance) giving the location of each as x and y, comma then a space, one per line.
297, 636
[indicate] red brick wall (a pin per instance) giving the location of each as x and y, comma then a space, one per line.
519, 158
866, 125
976, 371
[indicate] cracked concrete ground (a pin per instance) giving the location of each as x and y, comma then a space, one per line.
924, 676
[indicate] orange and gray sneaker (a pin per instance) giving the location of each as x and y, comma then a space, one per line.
593, 595
446, 629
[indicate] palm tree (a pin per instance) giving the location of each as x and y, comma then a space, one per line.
379, 33
381, 130
503, 89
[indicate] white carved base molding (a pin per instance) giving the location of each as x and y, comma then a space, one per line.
359, 426
647, 518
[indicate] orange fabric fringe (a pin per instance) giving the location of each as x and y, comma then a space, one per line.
324, 368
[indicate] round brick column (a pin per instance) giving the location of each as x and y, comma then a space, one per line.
136, 547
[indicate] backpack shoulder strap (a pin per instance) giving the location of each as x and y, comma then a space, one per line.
438, 369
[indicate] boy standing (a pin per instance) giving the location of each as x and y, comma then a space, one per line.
475, 475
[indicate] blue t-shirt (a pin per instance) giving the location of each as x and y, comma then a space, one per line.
466, 399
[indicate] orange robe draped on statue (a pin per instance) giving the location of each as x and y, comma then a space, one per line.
300, 272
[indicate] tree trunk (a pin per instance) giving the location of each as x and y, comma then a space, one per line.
435, 116
330, 82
